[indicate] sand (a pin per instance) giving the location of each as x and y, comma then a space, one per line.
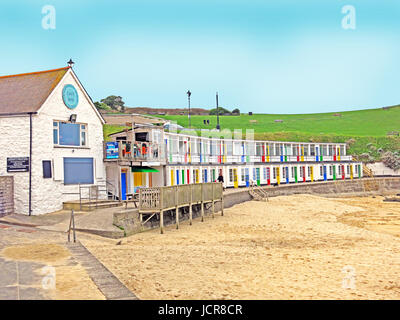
292, 247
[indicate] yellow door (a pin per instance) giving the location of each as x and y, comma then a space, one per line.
278, 179
197, 175
351, 171
235, 179
172, 177
312, 173
268, 154
339, 154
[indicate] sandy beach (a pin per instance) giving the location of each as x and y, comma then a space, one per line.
292, 247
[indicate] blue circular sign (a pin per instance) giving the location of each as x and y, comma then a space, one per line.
70, 96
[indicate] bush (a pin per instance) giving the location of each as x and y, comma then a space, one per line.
391, 160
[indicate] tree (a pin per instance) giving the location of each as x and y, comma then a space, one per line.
114, 102
236, 111
221, 111
101, 106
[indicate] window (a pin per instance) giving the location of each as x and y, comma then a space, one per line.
274, 173
78, 170
320, 171
46, 169
230, 175
301, 172
309, 171
284, 173
330, 170
69, 134
292, 171
243, 174
265, 173
356, 167
312, 150
348, 169
340, 170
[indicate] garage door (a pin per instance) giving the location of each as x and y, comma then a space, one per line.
78, 170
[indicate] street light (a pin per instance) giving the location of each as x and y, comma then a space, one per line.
189, 94
218, 127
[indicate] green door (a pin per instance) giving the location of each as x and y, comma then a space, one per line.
295, 174
359, 171
258, 176
334, 172
183, 176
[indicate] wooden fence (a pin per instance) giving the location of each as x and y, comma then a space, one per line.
160, 199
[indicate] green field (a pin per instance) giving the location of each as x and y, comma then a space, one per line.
373, 122
365, 131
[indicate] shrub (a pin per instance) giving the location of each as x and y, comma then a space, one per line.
391, 160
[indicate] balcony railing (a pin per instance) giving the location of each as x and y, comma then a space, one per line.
145, 151
133, 151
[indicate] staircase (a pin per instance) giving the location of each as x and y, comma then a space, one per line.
257, 192
367, 171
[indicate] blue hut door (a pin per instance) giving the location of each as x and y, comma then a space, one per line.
123, 185
287, 174
316, 153
325, 173
247, 177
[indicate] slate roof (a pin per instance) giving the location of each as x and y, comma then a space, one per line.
26, 92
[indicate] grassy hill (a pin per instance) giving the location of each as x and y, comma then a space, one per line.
373, 122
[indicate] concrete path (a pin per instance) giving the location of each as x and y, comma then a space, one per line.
21, 280
108, 284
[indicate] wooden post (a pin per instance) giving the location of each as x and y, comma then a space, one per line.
212, 198
190, 204
222, 201
202, 204
161, 211
161, 221
176, 207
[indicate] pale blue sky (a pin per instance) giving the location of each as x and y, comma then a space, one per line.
276, 56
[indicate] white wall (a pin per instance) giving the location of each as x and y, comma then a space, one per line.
379, 169
49, 194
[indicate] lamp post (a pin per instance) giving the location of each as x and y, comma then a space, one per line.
218, 127
189, 94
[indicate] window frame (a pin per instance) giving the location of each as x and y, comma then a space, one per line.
83, 132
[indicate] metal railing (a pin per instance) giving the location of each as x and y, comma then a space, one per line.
135, 151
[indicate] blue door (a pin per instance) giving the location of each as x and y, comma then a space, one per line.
205, 175
325, 173
287, 174
247, 177
123, 185
281, 153
177, 176
316, 153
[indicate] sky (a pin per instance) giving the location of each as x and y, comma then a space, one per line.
271, 56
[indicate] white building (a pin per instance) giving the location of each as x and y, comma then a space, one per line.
146, 156
51, 139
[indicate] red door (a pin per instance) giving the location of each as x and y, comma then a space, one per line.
268, 176
334, 153
304, 173
188, 175
298, 153
343, 173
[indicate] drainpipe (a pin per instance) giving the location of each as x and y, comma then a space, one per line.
30, 163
